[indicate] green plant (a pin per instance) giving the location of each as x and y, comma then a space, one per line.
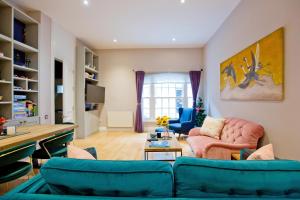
200, 112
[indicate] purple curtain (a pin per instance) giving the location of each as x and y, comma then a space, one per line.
195, 82
139, 81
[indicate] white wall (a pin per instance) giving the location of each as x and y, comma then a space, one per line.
45, 67
64, 49
249, 22
118, 77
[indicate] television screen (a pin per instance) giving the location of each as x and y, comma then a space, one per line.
95, 94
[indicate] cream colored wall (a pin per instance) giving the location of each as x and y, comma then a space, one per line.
118, 77
45, 48
250, 21
64, 49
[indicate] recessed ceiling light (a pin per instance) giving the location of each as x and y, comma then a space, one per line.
173, 39
86, 2
182, 1
115, 40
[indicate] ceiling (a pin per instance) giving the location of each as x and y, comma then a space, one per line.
137, 23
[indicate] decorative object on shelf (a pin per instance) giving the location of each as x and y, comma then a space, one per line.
18, 88
88, 66
1, 54
27, 61
153, 135
164, 123
1, 97
256, 73
200, 115
19, 30
2, 122
19, 57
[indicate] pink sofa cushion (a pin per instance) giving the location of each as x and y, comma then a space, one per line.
199, 143
240, 131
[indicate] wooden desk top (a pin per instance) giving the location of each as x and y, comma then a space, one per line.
35, 133
174, 146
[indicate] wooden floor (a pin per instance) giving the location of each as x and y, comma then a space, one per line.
123, 145
115, 145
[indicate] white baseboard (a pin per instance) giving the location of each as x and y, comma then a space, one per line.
102, 128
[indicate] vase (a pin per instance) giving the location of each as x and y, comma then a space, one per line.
166, 133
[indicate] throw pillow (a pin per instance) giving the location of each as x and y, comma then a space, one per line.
263, 153
212, 127
75, 152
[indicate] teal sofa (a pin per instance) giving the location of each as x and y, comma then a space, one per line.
188, 178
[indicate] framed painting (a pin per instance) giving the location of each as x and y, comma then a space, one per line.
256, 73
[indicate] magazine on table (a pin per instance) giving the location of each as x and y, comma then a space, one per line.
160, 143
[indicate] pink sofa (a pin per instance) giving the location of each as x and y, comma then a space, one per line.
236, 135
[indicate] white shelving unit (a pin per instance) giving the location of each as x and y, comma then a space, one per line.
86, 73
12, 52
90, 65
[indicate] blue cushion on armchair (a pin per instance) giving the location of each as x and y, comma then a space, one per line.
108, 178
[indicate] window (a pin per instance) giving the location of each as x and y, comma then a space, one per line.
164, 93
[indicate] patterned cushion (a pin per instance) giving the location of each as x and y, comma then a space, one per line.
263, 153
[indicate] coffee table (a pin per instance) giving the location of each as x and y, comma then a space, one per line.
174, 148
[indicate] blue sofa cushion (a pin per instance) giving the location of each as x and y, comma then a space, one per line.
202, 178
108, 178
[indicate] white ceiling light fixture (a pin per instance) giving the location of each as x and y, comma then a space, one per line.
86, 2
182, 1
115, 40
173, 39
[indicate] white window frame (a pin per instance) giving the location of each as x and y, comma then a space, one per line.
152, 97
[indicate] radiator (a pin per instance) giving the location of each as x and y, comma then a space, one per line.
120, 119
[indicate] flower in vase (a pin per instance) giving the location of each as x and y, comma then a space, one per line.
2, 120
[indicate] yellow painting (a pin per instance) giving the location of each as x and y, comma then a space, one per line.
256, 73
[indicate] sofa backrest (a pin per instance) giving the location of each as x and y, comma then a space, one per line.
108, 178
240, 131
186, 114
202, 178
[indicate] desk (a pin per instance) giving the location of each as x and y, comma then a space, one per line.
34, 133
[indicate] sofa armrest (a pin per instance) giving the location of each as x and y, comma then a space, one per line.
195, 132
221, 150
173, 121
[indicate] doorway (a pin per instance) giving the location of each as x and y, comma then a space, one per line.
59, 91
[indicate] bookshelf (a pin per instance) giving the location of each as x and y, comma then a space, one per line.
87, 72
19, 65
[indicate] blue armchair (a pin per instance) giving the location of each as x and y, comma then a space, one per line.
185, 122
